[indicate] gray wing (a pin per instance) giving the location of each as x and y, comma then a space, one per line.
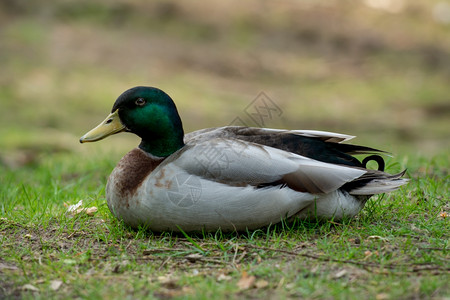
237, 162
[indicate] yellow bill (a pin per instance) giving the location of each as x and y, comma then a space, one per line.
109, 126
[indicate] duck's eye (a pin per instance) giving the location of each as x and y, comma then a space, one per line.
140, 101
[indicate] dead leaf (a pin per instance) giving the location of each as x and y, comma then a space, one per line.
69, 261
418, 230
260, 284
91, 211
290, 286
246, 281
30, 287
382, 296
74, 207
280, 283
55, 284
166, 279
90, 272
340, 274
377, 237
194, 257
77, 209
7, 267
258, 258
223, 277
187, 290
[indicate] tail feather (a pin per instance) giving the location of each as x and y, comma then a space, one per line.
357, 149
380, 185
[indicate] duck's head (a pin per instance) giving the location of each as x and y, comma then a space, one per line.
147, 112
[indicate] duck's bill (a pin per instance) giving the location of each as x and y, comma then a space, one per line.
109, 126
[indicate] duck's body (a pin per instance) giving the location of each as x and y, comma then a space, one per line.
232, 178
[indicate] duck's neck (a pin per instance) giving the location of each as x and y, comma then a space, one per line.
162, 146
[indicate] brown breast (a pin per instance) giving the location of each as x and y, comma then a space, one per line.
131, 171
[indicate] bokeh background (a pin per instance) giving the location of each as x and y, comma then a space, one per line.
378, 69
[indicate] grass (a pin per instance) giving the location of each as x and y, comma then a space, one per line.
340, 67
396, 248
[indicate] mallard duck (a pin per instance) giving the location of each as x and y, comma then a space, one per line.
232, 178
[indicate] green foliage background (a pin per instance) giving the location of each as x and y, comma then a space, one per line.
345, 66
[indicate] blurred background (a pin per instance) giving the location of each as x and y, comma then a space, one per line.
378, 69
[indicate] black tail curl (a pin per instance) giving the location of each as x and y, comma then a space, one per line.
378, 159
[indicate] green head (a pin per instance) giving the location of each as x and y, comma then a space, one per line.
147, 112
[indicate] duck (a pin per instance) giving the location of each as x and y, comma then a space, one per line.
231, 178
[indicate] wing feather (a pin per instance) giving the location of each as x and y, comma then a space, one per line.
319, 145
236, 131
237, 162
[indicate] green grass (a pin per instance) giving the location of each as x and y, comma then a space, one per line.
396, 248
